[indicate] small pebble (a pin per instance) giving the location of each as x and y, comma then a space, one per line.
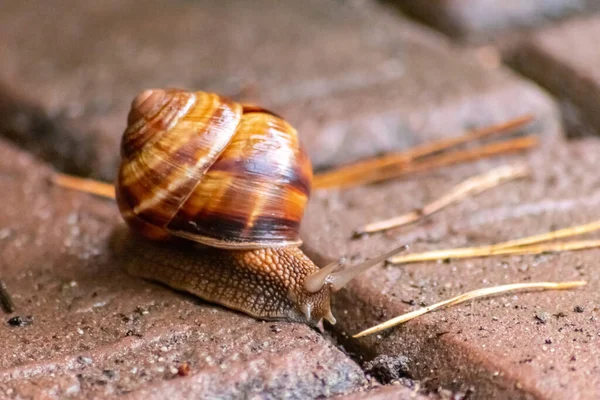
109, 373
84, 360
20, 321
541, 316
184, 369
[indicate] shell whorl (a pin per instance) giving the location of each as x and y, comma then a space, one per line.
199, 166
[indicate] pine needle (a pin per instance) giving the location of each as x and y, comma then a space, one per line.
559, 234
456, 157
375, 169
345, 173
512, 247
84, 185
510, 146
488, 251
470, 187
475, 294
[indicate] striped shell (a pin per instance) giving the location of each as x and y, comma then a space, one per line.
202, 167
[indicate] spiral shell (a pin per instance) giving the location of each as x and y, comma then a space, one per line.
202, 167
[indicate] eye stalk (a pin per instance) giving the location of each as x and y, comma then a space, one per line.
338, 279
313, 283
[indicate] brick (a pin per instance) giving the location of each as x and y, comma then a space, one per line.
356, 79
564, 59
387, 392
97, 333
483, 19
494, 346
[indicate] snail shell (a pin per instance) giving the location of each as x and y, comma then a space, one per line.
234, 177
199, 166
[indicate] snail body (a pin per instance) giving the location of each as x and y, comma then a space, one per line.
220, 188
264, 283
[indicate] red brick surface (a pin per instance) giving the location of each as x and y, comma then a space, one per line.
564, 58
397, 392
355, 78
495, 346
97, 332
482, 19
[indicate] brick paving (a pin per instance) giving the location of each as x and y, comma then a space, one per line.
374, 77
356, 78
98, 332
479, 20
387, 392
495, 347
564, 59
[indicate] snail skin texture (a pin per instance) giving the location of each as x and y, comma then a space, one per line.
214, 192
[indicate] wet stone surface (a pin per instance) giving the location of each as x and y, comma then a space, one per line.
376, 82
482, 19
564, 59
93, 331
523, 345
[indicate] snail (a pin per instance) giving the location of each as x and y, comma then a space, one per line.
220, 190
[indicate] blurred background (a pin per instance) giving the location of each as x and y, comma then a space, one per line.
357, 77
